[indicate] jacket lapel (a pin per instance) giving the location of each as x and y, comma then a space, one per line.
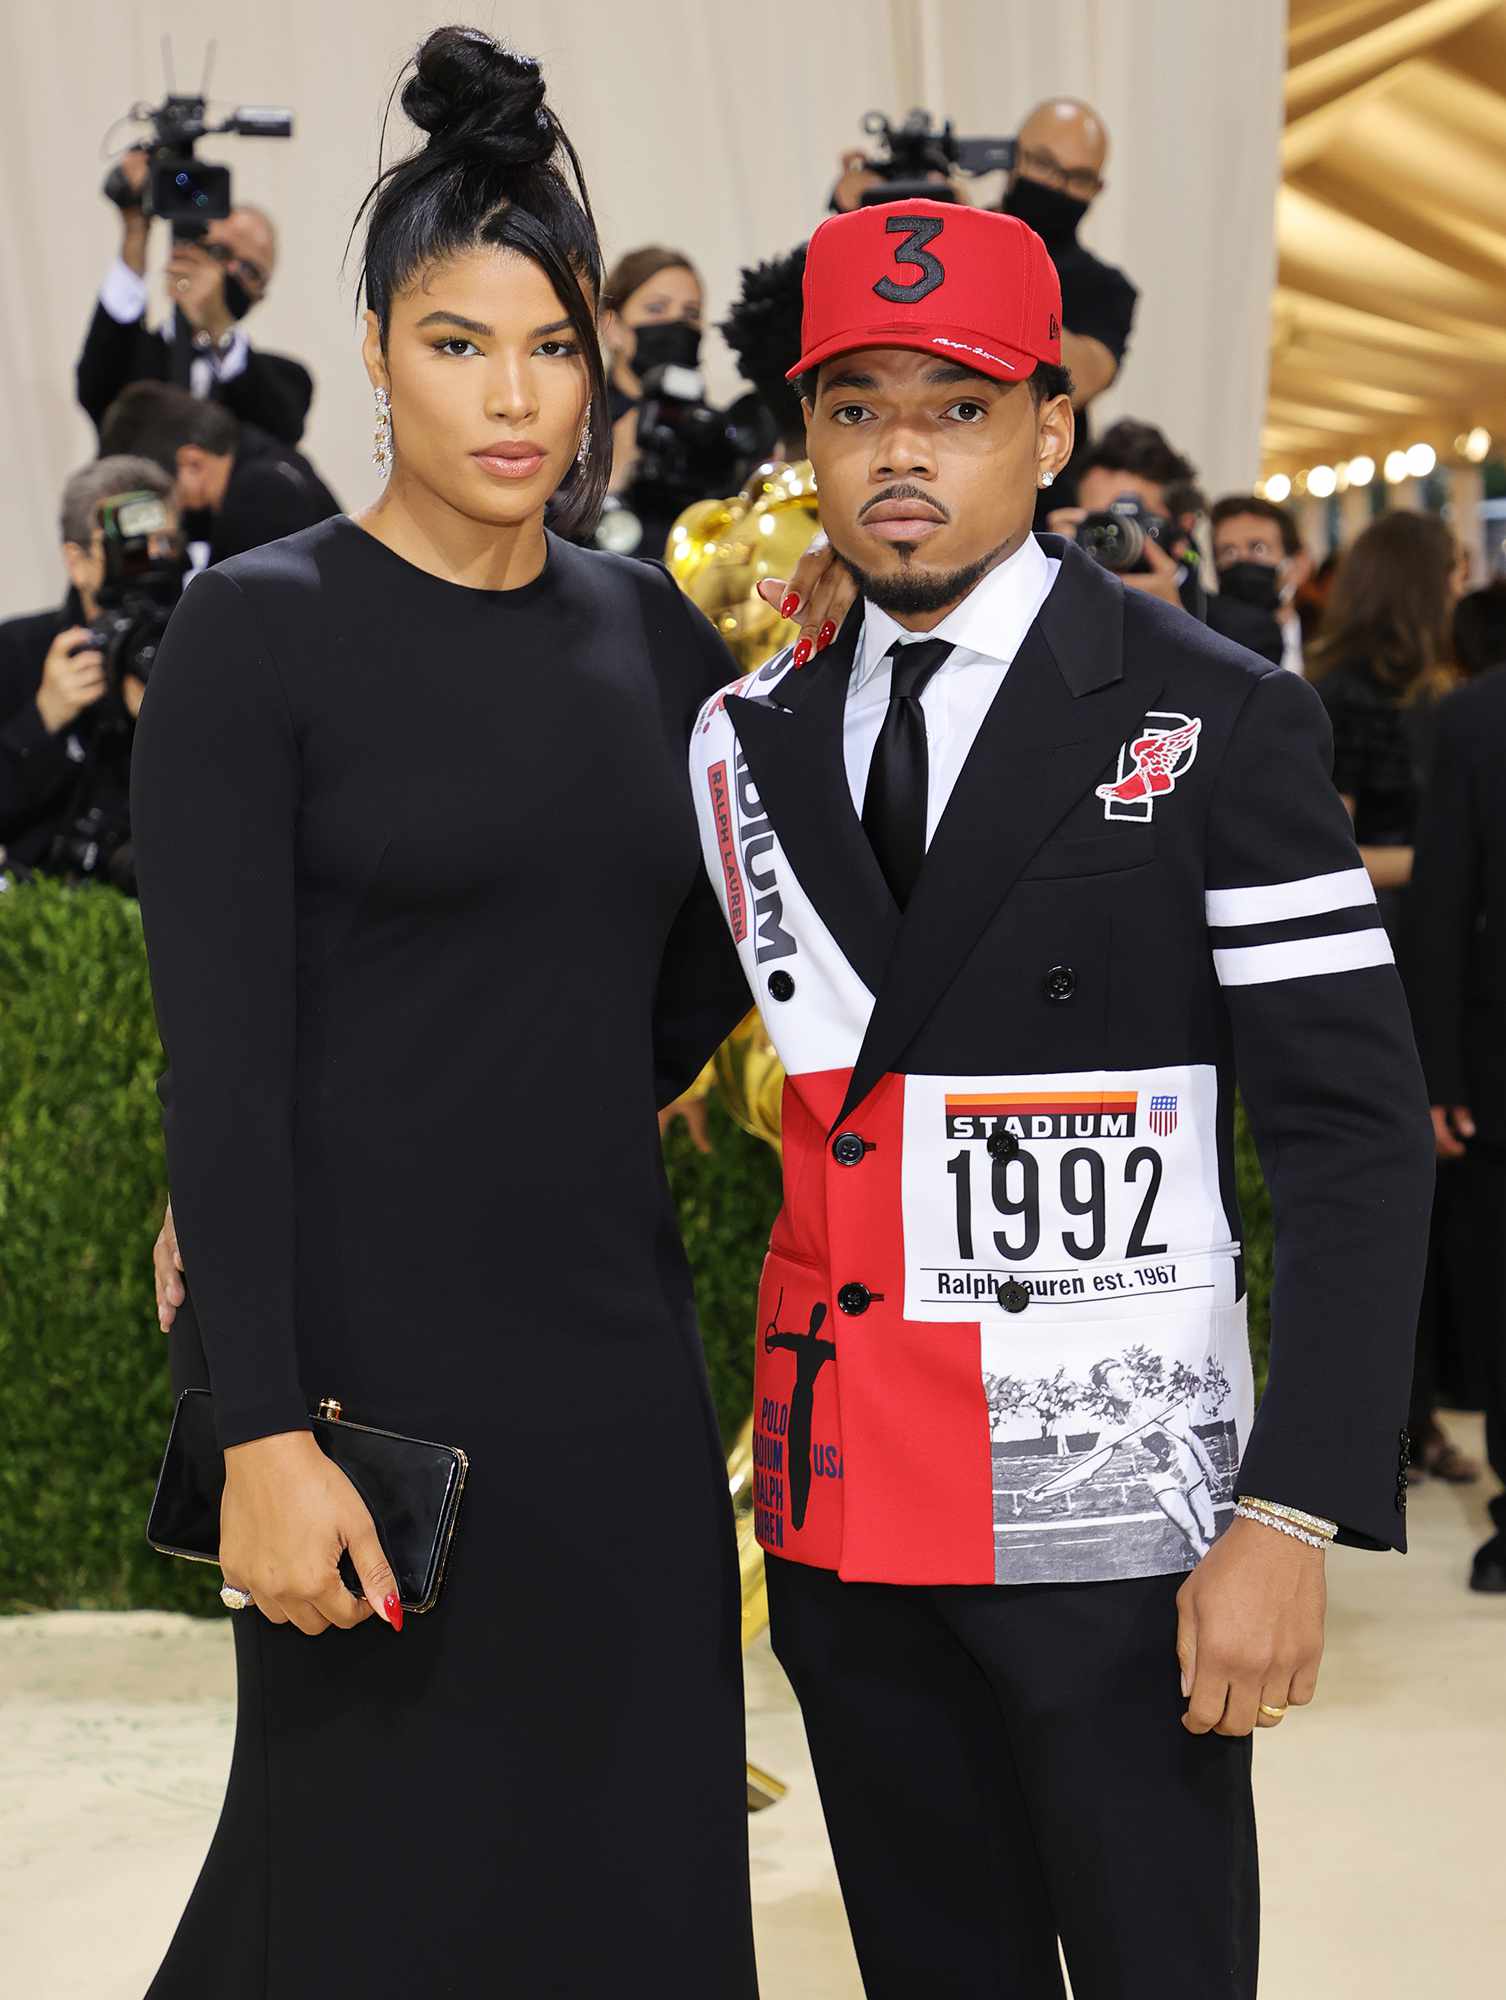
1067, 704
793, 743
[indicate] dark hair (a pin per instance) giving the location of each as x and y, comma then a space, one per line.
1234, 504
1480, 630
1046, 380
153, 419
490, 176
1143, 451
105, 479
635, 268
763, 331
1389, 607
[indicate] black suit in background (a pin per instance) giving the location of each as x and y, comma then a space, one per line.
273, 491
272, 391
1457, 984
40, 770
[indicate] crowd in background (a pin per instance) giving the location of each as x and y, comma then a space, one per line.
1389, 630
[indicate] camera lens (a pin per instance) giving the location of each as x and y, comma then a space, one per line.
1114, 541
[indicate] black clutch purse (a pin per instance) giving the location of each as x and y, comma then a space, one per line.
411, 1487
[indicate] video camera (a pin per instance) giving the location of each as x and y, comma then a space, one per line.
182, 189
914, 150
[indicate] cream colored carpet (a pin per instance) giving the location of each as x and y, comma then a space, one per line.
1381, 1809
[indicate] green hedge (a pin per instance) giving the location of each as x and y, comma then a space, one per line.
84, 1395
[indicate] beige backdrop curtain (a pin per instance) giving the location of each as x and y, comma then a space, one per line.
713, 129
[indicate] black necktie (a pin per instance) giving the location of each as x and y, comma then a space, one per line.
894, 805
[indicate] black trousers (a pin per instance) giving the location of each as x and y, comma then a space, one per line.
1001, 1768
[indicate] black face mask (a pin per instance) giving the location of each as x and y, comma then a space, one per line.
1053, 215
1254, 583
238, 301
666, 344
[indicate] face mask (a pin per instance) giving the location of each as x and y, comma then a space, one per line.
238, 301
675, 343
1254, 583
1053, 215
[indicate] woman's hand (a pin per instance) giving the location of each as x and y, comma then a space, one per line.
287, 1514
167, 1266
819, 595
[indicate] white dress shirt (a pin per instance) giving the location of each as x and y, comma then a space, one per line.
124, 297
985, 631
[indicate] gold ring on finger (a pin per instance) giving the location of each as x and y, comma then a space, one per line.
1270, 1709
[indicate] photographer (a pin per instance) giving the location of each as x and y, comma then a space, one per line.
236, 487
1258, 553
215, 282
1137, 514
669, 448
72, 679
1057, 173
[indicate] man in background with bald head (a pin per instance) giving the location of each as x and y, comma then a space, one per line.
214, 282
1057, 175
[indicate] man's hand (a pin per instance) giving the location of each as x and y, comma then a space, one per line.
167, 1267
1065, 521
196, 286
73, 678
135, 166
1452, 1126
1250, 1630
692, 1109
1160, 580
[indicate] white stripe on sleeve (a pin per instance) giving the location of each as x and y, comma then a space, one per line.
1347, 889
1301, 958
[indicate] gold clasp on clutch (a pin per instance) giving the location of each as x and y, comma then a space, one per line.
329, 1409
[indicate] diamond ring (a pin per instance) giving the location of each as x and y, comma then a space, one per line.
234, 1598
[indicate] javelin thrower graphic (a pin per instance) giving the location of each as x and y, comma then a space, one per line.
1183, 1476
1156, 758
811, 1356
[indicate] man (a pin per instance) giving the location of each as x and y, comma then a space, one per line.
237, 487
1134, 460
54, 711
1258, 553
215, 283
1026, 870
1060, 155
1457, 983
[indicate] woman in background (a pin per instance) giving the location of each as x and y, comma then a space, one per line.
651, 317
1382, 661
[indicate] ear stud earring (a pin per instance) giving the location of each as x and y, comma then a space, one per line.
1048, 479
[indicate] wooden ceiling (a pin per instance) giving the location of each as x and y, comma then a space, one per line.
1389, 320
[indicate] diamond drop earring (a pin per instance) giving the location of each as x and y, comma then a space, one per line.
1048, 479
585, 443
381, 443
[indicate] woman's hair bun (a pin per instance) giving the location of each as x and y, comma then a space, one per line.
473, 94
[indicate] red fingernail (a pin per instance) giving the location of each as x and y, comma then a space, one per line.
802, 653
392, 1604
825, 636
790, 605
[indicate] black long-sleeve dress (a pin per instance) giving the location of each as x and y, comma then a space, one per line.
420, 880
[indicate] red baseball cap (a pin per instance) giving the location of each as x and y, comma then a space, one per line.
966, 284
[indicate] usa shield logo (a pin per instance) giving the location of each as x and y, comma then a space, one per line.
1163, 1116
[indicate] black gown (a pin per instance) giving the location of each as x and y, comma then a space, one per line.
428, 943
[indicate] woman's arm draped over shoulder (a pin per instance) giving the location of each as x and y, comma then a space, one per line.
214, 803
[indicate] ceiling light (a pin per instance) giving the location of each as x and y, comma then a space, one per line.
1476, 445
1420, 460
1361, 470
1322, 481
1277, 487
1396, 467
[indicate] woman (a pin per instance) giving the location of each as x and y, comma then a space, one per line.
1382, 662
419, 876
651, 307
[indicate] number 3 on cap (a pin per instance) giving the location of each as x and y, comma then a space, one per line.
918, 231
